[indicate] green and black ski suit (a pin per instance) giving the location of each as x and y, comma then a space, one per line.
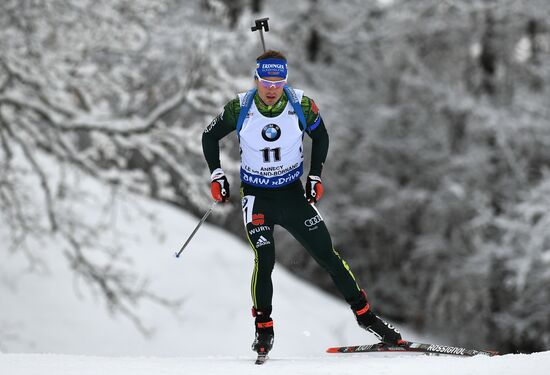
264, 207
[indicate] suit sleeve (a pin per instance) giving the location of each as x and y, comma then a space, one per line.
221, 125
318, 133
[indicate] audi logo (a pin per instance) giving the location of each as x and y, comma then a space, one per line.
313, 221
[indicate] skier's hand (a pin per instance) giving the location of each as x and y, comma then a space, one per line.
314, 189
220, 186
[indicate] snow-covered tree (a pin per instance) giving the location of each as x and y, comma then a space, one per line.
114, 90
437, 113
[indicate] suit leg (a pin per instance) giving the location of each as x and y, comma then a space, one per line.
259, 231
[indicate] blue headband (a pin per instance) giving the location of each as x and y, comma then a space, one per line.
272, 67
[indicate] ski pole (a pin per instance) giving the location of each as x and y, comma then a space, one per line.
261, 25
196, 229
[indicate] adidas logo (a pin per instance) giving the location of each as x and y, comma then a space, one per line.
262, 241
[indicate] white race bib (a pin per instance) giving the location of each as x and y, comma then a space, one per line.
271, 147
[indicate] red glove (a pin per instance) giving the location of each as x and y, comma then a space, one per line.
314, 189
220, 186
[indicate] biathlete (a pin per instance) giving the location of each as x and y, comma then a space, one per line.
270, 122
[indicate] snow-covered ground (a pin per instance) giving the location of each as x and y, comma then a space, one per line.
54, 328
41, 364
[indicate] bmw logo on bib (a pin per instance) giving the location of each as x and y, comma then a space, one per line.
271, 132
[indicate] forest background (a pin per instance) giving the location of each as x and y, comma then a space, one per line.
437, 181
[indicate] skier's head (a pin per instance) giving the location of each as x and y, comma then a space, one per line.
270, 76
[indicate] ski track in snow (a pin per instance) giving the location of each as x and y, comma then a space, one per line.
46, 364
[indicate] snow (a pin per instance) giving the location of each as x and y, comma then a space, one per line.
34, 364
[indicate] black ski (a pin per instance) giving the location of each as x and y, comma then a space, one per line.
262, 358
412, 347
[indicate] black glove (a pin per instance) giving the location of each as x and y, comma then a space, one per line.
314, 189
220, 186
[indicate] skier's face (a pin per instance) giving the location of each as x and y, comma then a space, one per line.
270, 89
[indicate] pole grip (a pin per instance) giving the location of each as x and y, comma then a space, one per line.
261, 25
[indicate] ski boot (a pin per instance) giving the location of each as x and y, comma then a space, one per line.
368, 320
263, 342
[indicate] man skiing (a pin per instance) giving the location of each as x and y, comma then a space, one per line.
270, 122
